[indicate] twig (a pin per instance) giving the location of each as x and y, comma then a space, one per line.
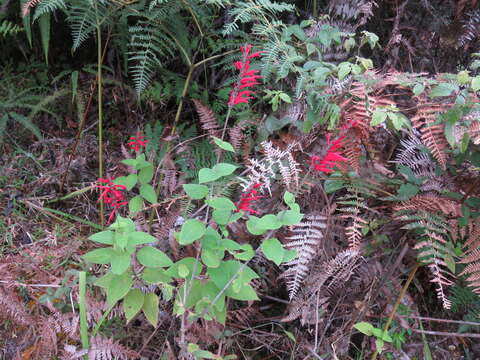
440, 333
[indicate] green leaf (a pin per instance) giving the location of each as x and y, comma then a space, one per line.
222, 216
132, 303
195, 191
223, 144
44, 25
135, 204
140, 237
289, 217
206, 175
269, 222
379, 345
288, 198
221, 203
289, 255
188, 264
218, 171
365, 328
130, 162
118, 287
150, 256
99, 256
443, 89
150, 308
192, 230
344, 69
378, 117
407, 191
103, 237
224, 169
476, 83
120, 262
128, 181
148, 193
244, 293
252, 226
418, 89
155, 276
273, 250
146, 174
210, 258
183, 271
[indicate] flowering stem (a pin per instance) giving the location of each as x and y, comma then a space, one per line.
100, 111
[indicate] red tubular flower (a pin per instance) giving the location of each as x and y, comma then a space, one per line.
331, 158
248, 78
137, 142
247, 198
112, 194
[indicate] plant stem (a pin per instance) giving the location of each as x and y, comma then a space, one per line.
83, 311
397, 303
100, 111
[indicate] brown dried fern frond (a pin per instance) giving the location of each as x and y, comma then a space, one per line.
208, 120
236, 136
431, 203
473, 241
432, 133
12, 309
103, 348
472, 257
315, 294
306, 238
474, 131
434, 252
275, 162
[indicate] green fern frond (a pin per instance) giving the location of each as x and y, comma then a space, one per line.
148, 46
243, 12
83, 17
48, 7
8, 28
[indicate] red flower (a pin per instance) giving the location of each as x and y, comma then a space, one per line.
248, 78
137, 142
112, 194
331, 158
247, 198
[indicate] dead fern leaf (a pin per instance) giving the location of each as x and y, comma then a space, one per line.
103, 348
432, 133
431, 203
305, 239
208, 120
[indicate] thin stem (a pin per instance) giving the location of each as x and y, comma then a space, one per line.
397, 303
100, 110
83, 310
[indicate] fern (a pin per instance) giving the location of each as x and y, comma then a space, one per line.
47, 6
243, 12
276, 163
435, 248
7, 28
84, 17
306, 238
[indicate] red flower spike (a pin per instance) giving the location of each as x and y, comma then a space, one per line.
248, 78
247, 198
112, 194
137, 142
331, 158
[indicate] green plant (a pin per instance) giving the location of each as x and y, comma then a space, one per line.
380, 336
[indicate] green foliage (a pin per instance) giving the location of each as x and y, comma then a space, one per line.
380, 336
8, 28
